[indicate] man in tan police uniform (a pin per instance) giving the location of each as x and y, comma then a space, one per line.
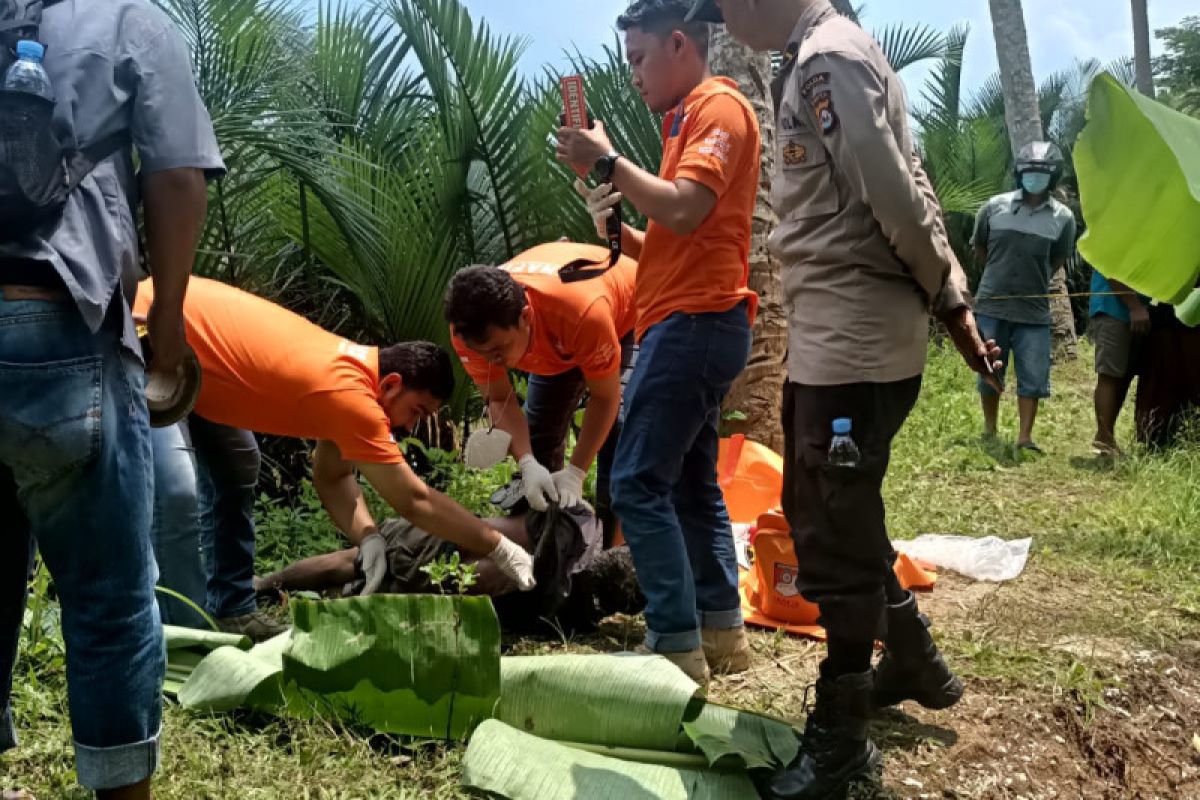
865, 262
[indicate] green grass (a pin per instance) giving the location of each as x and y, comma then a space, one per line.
1116, 554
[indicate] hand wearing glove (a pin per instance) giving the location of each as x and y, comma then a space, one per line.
373, 550
514, 562
600, 203
569, 483
539, 486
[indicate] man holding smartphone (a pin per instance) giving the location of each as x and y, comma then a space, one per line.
694, 313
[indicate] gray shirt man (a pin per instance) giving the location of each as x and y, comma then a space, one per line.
863, 246
1025, 247
115, 65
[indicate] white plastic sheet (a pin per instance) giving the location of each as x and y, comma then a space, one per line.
989, 558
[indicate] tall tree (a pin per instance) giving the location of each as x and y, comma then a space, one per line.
1141, 47
1022, 112
756, 394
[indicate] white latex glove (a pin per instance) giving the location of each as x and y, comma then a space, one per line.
514, 562
373, 550
539, 486
569, 483
600, 202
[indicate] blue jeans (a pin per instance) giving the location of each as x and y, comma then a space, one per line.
220, 516
1028, 346
176, 530
664, 479
76, 482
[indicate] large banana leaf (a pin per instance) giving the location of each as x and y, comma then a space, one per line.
420, 665
1138, 164
509, 763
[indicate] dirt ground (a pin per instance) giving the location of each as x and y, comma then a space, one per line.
1109, 713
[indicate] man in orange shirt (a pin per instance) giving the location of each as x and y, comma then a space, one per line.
268, 370
569, 336
694, 315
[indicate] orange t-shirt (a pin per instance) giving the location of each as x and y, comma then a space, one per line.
711, 138
573, 325
269, 370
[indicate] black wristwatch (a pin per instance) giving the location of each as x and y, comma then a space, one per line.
606, 166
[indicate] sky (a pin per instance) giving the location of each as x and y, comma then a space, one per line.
1060, 31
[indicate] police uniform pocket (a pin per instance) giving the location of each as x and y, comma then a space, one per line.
805, 187
50, 417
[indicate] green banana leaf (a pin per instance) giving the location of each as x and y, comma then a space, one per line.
1138, 164
230, 678
614, 700
421, 665
204, 641
730, 738
507, 762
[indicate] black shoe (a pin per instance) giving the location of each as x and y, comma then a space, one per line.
835, 750
911, 667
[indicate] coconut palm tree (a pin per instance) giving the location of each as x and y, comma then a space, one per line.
1141, 47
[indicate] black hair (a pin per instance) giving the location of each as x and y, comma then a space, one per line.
662, 17
424, 366
479, 297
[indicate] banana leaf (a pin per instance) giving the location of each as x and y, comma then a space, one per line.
1138, 164
613, 700
509, 763
203, 641
421, 665
230, 678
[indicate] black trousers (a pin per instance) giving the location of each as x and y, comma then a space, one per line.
836, 514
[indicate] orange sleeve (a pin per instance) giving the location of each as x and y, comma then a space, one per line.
597, 345
477, 368
354, 422
716, 141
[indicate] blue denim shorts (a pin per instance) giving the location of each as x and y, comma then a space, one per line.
1028, 346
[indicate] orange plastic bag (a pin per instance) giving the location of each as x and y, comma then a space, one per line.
770, 597
751, 478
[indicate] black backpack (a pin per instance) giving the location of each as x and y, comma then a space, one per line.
37, 171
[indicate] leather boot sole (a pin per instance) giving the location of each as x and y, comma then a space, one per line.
944, 697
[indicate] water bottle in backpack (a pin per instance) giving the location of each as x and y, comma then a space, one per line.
27, 74
843, 452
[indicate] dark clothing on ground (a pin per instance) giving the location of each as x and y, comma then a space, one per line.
578, 583
836, 513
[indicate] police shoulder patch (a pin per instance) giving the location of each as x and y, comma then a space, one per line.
827, 119
819, 79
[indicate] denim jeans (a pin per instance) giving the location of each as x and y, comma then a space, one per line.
76, 482
550, 404
176, 530
212, 505
229, 461
665, 489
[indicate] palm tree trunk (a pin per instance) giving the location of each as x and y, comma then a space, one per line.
757, 393
1023, 116
1021, 110
1141, 48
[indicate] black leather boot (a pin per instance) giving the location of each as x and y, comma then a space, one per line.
835, 750
911, 667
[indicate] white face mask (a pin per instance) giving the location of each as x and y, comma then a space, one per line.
486, 447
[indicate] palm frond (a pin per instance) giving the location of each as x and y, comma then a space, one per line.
905, 44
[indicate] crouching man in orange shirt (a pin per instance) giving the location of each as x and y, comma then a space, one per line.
268, 370
570, 337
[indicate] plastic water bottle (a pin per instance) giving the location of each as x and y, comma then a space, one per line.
28, 74
843, 452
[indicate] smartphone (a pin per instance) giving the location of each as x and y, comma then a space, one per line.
575, 111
